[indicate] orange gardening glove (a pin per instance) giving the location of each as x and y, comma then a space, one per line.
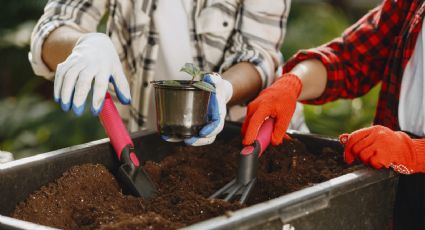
379, 146
277, 101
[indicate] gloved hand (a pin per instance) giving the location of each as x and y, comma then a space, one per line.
379, 146
216, 112
277, 101
93, 58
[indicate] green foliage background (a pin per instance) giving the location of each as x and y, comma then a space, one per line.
31, 123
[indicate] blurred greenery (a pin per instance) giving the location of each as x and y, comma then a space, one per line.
312, 24
31, 123
35, 125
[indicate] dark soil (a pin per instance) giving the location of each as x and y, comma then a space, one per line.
89, 197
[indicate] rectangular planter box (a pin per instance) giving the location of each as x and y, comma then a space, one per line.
363, 199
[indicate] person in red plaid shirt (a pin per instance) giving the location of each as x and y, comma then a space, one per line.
386, 46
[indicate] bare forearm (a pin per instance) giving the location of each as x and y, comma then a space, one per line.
246, 82
313, 75
58, 45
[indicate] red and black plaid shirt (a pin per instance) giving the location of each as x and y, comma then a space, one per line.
375, 49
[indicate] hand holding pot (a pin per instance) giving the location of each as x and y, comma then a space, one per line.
379, 146
93, 58
216, 112
277, 101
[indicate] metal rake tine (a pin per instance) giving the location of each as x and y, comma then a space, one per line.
232, 192
224, 188
247, 190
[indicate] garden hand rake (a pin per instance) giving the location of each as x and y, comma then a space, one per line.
248, 163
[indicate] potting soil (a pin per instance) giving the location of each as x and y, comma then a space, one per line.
89, 197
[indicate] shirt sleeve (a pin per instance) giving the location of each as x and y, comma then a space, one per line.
355, 62
82, 15
258, 36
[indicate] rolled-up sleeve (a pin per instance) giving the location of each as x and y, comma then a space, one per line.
82, 15
356, 61
259, 32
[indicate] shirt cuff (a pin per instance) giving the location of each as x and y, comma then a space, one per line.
265, 68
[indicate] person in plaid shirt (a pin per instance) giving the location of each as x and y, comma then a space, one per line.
387, 47
149, 40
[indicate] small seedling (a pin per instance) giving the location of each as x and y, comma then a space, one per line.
192, 70
196, 74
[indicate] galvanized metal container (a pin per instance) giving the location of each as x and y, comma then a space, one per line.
360, 200
181, 110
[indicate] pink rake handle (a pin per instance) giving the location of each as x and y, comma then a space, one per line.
115, 129
263, 138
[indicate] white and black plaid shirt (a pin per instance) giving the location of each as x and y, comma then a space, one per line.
222, 33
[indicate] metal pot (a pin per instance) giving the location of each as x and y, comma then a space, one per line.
181, 110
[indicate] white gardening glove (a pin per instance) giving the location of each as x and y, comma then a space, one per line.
93, 58
216, 112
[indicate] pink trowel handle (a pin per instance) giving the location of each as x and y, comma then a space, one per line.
116, 131
263, 138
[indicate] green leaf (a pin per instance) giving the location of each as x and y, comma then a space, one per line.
171, 83
192, 70
204, 86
